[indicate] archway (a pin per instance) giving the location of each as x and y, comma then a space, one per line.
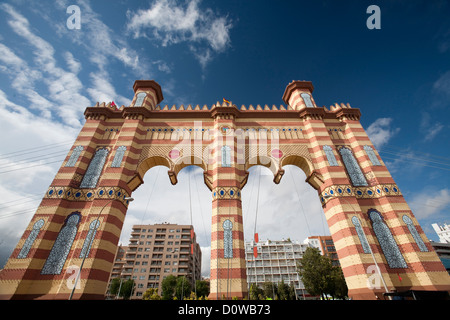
106, 168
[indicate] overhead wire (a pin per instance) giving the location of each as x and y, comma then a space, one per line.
301, 205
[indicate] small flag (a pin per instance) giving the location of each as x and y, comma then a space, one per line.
226, 101
192, 233
256, 237
113, 104
255, 252
192, 248
399, 278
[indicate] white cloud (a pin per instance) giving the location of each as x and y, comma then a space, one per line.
64, 98
428, 204
103, 90
428, 128
443, 84
171, 23
73, 64
380, 131
32, 173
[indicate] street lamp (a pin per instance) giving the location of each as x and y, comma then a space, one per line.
365, 238
129, 199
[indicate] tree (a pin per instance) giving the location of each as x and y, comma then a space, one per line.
151, 294
255, 292
319, 275
202, 288
168, 287
340, 286
283, 291
114, 288
127, 289
270, 290
182, 288
315, 271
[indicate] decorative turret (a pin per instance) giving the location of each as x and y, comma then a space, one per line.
148, 94
298, 95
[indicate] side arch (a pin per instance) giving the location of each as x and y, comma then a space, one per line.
186, 161
146, 165
312, 176
265, 161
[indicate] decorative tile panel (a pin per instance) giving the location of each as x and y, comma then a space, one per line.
61, 248
226, 193
227, 239
386, 240
415, 234
30, 240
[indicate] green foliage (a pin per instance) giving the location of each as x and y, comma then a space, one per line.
202, 288
151, 294
168, 287
183, 288
320, 277
125, 289
179, 288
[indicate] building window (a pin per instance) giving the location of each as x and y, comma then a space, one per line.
118, 157
387, 242
372, 156
140, 99
415, 234
30, 239
307, 98
330, 156
361, 235
74, 156
226, 156
60, 250
353, 169
89, 238
227, 239
95, 168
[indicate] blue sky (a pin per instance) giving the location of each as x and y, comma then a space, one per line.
245, 51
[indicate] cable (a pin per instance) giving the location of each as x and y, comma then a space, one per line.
20, 162
418, 163
37, 165
306, 220
150, 196
26, 151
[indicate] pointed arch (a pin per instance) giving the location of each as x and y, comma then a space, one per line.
330, 156
30, 240
414, 233
74, 156
372, 156
63, 243
360, 233
226, 156
95, 169
93, 226
118, 157
386, 240
354, 171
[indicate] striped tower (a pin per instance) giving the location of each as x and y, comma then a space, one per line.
228, 270
75, 209
371, 224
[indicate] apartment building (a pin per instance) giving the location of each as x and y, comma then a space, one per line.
326, 246
443, 231
276, 262
156, 251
